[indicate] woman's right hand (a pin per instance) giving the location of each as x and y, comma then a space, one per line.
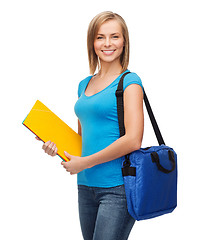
49, 148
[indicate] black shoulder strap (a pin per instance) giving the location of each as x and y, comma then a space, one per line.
120, 111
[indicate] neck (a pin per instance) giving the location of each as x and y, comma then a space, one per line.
109, 69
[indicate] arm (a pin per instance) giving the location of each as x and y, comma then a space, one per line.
131, 141
79, 128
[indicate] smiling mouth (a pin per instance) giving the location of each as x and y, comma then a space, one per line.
108, 52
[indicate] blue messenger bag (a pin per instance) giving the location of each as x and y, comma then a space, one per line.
150, 174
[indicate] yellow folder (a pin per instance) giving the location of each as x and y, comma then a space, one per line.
47, 126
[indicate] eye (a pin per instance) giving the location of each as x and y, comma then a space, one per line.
99, 37
115, 36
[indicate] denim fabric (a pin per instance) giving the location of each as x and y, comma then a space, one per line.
103, 213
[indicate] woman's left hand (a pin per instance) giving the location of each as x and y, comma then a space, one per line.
74, 165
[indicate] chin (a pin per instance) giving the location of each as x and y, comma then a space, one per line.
109, 59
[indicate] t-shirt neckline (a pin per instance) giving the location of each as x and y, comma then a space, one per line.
102, 89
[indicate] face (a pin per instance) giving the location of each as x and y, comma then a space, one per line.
109, 42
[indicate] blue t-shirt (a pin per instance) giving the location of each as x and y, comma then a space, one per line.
100, 128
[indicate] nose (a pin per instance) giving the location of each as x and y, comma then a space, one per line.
107, 42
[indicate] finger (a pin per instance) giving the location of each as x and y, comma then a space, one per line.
67, 155
37, 138
64, 164
50, 149
55, 151
45, 145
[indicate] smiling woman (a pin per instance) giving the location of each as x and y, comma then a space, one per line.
101, 194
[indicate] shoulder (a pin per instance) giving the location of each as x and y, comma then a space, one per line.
132, 78
84, 81
82, 84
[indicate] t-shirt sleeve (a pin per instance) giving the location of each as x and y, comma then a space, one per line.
131, 78
79, 89
82, 85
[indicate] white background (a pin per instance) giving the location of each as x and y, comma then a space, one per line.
43, 56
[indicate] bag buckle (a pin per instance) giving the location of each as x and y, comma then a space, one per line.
127, 162
119, 93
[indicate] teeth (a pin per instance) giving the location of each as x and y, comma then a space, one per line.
108, 51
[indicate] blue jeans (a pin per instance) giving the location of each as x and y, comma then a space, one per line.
103, 213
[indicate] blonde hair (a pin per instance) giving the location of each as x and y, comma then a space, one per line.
93, 28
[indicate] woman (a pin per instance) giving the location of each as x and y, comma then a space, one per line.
101, 194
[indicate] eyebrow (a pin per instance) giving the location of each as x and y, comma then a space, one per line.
104, 34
